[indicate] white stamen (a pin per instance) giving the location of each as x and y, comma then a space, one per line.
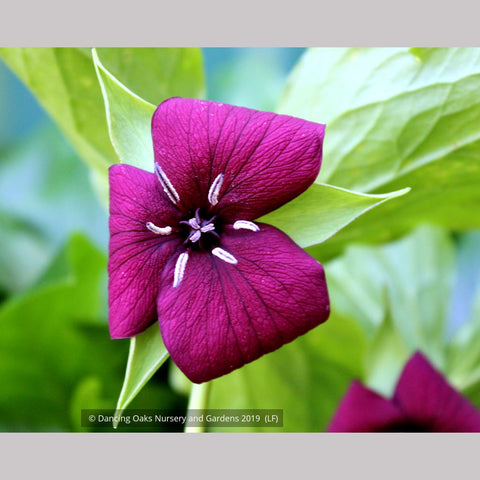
208, 228
180, 269
214, 190
159, 230
168, 188
193, 223
195, 237
246, 225
224, 255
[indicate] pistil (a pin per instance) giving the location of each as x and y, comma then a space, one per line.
197, 225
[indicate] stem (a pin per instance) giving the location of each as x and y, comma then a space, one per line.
198, 401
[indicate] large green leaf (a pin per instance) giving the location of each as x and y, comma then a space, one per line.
65, 83
396, 118
322, 211
306, 378
155, 74
52, 339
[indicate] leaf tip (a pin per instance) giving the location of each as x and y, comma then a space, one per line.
96, 61
399, 193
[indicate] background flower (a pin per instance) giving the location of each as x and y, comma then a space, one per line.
423, 401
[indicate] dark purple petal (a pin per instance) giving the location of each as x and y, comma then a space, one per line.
136, 255
426, 398
222, 316
266, 159
363, 410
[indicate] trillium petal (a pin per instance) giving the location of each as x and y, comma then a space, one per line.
224, 315
427, 398
136, 255
363, 410
266, 159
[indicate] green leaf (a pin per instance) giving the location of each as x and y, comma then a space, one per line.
305, 378
386, 357
129, 120
322, 211
156, 74
146, 356
464, 350
415, 274
464, 360
53, 338
87, 395
396, 118
65, 83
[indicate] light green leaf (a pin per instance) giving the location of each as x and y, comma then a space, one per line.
129, 120
386, 357
156, 74
464, 359
464, 350
396, 118
322, 211
65, 83
410, 280
305, 378
147, 354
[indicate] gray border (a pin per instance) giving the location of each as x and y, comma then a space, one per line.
239, 455
243, 24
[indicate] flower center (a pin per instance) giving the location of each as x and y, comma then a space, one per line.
198, 226
200, 233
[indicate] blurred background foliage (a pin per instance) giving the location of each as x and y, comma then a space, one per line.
421, 291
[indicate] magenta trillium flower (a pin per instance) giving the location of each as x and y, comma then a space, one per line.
423, 401
184, 248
